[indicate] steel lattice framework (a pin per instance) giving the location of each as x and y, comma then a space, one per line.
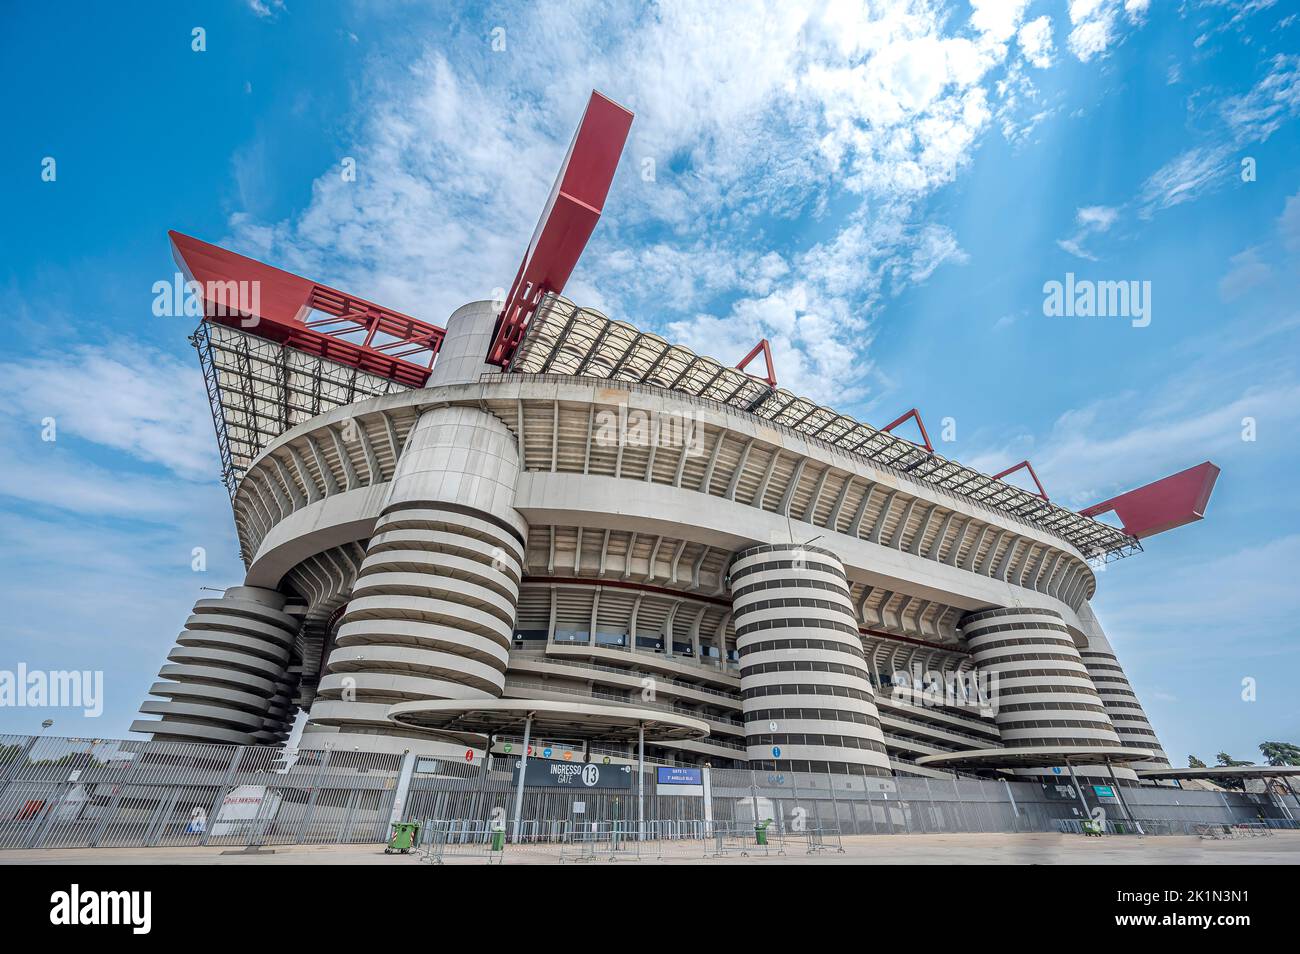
567, 340
258, 389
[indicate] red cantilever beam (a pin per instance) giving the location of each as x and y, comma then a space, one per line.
915, 415
766, 349
272, 303
1024, 465
1173, 501
567, 221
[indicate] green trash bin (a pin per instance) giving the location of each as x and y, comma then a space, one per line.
499, 838
760, 831
405, 837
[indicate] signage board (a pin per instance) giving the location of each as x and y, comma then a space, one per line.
1103, 791
574, 775
679, 775
679, 780
244, 808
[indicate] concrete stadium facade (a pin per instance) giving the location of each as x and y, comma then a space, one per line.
546, 535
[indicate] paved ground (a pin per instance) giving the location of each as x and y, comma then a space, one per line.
1279, 848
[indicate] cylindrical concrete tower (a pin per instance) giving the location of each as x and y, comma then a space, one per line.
432, 613
807, 700
1044, 695
469, 336
227, 673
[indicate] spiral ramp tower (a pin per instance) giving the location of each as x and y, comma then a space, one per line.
228, 678
1046, 696
433, 608
808, 700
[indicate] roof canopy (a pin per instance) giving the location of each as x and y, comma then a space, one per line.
1036, 756
467, 719
565, 339
1222, 771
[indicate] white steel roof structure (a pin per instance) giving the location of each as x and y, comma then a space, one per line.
258, 389
564, 339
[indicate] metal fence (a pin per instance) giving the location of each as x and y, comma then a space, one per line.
59, 792
66, 793
798, 801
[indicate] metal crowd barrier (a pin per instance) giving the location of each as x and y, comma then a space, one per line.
1238, 830
474, 840
1083, 826
818, 839
1168, 826
602, 841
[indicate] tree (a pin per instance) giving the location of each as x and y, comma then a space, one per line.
1280, 753
1194, 762
1227, 761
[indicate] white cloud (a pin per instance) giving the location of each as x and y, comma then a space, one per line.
1184, 178
1035, 39
806, 335
124, 396
1098, 217
1129, 438
997, 19
266, 9
50, 476
1249, 268
934, 245
1097, 23
1288, 223
748, 111
1247, 272
1090, 221
1254, 116
1252, 587
1246, 119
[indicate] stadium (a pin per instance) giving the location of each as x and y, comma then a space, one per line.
535, 525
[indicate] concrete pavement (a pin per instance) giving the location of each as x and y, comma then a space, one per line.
1281, 848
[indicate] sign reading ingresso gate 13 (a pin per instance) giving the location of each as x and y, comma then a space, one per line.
550, 774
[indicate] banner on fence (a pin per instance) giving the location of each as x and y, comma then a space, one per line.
679, 780
574, 775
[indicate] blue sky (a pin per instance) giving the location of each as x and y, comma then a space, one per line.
882, 192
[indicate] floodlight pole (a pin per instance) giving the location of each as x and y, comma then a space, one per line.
523, 768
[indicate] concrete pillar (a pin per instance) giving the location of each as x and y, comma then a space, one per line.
226, 680
433, 609
799, 650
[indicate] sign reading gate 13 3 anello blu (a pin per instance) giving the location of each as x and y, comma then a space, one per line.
574, 775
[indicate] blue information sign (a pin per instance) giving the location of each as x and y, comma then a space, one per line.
676, 775
776, 751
